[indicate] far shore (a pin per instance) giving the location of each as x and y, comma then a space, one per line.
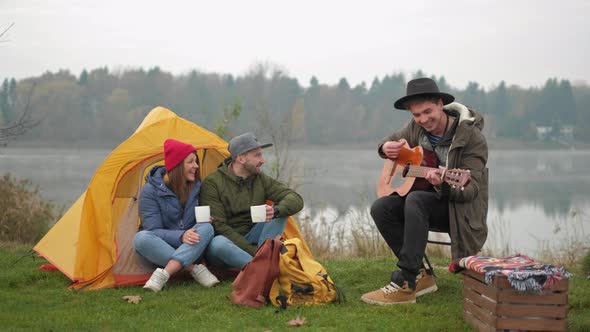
493, 144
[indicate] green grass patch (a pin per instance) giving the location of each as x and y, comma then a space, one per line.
35, 300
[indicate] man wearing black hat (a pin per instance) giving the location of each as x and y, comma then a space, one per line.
450, 135
237, 185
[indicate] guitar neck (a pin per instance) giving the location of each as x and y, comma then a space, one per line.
418, 171
457, 178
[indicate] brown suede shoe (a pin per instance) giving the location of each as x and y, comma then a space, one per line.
425, 283
391, 294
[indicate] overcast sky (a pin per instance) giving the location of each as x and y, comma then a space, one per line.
521, 42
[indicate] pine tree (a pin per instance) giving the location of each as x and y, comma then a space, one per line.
5, 108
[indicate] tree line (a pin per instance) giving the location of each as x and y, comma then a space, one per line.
101, 105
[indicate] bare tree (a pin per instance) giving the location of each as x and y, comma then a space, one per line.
267, 82
230, 115
12, 129
4, 32
21, 125
284, 166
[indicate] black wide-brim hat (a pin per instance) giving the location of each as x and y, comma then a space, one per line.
419, 87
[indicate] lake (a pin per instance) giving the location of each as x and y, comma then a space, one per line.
539, 200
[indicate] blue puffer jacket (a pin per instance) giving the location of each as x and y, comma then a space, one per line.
160, 209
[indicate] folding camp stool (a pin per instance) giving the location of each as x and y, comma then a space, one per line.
443, 243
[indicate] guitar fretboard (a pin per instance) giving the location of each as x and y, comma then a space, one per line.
418, 171
454, 177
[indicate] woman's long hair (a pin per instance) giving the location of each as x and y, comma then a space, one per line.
176, 181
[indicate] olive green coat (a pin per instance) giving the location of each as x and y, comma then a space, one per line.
230, 197
468, 208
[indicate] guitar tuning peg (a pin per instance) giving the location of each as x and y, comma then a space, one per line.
462, 188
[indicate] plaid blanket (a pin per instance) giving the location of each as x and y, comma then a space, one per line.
523, 273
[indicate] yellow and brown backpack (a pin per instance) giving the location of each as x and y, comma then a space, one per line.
302, 280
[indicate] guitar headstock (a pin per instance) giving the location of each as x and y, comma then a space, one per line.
457, 178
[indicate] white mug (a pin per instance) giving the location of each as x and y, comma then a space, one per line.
202, 213
258, 213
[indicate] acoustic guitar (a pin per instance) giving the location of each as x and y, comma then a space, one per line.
407, 166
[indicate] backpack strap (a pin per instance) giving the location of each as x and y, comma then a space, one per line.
308, 289
276, 297
340, 296
282, 300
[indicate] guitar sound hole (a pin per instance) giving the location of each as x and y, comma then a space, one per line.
406, 170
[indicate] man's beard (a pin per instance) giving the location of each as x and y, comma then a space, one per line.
251, 168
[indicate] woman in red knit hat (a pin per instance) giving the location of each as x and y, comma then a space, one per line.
169, 236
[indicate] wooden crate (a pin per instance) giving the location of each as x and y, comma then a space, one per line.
498, 306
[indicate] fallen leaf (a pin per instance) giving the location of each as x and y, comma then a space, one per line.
132, 298
297, 321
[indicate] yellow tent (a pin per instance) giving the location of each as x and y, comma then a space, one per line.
92, 244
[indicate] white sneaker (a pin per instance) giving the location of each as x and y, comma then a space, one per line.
203, 276
157, 280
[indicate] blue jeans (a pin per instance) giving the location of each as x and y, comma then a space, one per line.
157, 251
222, 252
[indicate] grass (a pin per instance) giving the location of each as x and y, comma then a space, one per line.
31, 299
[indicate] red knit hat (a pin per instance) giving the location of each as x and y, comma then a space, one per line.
175, 152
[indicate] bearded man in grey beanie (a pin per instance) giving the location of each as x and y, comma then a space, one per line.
237, 185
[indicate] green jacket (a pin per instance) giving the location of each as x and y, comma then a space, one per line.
468, 208
230, 198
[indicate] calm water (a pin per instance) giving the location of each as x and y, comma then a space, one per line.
538, 199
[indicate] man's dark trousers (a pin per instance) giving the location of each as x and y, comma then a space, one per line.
404, 223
